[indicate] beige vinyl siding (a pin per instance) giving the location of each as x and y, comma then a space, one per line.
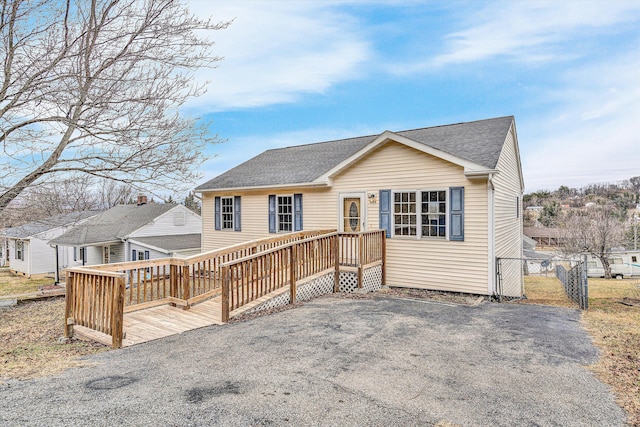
508, 199
428, 263
508, 212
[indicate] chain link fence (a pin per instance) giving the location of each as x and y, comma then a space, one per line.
575, 283
511, 274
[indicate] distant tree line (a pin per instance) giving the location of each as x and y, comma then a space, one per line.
597, 219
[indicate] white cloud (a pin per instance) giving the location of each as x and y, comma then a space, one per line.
276, 51
593, 132
529, 32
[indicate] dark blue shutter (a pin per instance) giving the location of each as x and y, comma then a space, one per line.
272, 213
216, 208
456, 213
134, 255
146, 254
75, 253
297, 212
236, 213
385, 211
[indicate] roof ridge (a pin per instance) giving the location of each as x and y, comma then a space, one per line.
378, 134
320, 142
454, 124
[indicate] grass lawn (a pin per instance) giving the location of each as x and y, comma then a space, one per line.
29, 346
12, 285
613, 320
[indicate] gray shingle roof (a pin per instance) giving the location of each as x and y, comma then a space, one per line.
113, 224
479, 142
172, 243
42, 225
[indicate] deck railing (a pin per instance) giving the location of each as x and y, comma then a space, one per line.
249, 278
98, 296
95, 299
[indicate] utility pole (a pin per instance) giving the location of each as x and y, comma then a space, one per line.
636, 218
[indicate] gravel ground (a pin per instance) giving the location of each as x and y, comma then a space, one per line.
385, 360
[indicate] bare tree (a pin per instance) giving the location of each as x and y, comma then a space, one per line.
596, 230
115, 193
94, 87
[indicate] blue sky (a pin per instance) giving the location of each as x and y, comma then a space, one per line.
298, 72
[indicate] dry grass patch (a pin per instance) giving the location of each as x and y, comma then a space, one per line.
29, 347
13, 285
613, 320
545, 290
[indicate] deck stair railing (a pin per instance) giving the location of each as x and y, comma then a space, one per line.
98, 296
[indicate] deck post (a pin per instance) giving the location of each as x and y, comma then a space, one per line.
186, 289
226, 282
383, 236
68, 305
292, 274
336, 262
173, 281
360, 259
117, 315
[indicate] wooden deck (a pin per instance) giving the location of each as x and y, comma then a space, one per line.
163, 321
130, 303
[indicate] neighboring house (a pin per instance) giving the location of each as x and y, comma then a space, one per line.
544, 236
4, 249
134, 232
29, 252
449, 198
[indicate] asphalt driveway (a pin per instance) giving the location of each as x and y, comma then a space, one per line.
335, 361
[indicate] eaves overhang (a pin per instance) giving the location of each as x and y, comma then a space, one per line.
325, 183
480, 174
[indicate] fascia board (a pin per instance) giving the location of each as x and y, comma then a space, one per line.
148, 246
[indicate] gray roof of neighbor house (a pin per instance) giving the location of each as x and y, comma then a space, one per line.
112, 225
479, 142
172, 243
46, 224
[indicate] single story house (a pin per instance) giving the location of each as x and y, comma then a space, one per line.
134, 232
449, 198
28, 250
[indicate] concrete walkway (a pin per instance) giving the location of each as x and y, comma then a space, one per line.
339, 361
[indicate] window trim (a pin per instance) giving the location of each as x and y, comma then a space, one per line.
21, 257
292, 214
418, 214
231, 213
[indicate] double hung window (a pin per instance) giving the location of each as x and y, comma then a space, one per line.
434, 213
285, 213
227, 213
19, 250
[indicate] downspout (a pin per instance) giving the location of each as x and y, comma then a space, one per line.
492, 285
57, 275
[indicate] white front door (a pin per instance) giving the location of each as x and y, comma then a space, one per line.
352, 212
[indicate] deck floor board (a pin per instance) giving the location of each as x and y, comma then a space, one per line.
163, 321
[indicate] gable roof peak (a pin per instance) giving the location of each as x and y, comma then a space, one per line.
477, 142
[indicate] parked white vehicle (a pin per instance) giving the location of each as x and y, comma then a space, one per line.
623, 264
